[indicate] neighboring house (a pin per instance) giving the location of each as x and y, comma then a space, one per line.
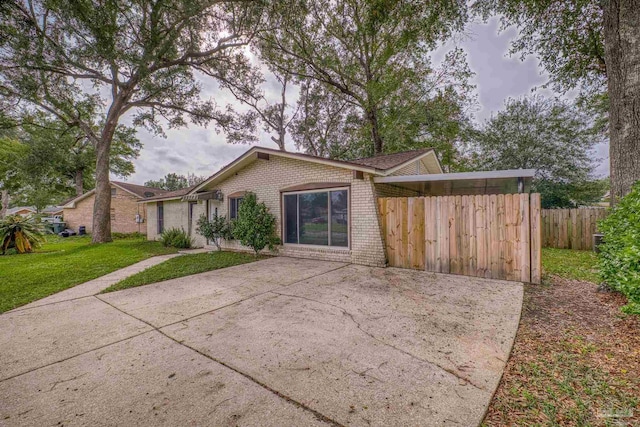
127, 215
51, 211
22, 210
328, 206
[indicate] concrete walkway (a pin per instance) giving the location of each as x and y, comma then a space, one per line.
278, 342
95, 286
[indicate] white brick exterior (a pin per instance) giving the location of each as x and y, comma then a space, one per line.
266, 178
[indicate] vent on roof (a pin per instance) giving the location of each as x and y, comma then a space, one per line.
149, 194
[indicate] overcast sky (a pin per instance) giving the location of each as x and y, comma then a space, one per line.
497, 77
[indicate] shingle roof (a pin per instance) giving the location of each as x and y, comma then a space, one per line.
13, 210
388, 161
140, 190
170, 194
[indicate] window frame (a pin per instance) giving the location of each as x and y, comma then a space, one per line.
160, 217
327, 190
236, 198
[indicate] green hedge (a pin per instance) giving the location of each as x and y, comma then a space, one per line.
619, 259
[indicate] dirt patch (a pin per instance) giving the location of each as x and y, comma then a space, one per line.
575, 361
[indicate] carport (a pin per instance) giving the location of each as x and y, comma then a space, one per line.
484, 224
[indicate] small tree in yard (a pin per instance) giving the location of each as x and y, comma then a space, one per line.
215, 229
255, 226
21, 233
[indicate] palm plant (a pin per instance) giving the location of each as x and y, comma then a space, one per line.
20, 232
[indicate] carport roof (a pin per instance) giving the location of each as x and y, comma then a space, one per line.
486, 182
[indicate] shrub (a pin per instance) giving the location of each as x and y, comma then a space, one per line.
215, 229
255, 227
176, 237
21, 233
619, 259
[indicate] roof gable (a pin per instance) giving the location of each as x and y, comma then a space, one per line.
138, 191
388, 161
377, 165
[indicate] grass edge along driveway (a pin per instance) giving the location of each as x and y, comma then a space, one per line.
184, 265
63, 263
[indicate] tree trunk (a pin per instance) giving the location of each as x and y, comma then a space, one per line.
101, 232
372, 117
622, 56
4, 203
79, 181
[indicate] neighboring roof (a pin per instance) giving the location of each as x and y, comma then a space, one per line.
377, 165
138, 190
169, 195
388, 161
16, 209
52, 209
133, 189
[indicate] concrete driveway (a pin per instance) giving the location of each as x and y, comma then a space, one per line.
279, 342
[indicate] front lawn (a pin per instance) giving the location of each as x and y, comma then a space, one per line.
63, 263
184, 265
576, 357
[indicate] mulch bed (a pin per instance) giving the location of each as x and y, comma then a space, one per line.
576, 360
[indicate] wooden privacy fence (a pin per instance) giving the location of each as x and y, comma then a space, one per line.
492, 236
570, 228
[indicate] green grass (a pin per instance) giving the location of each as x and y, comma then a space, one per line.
570, 264
183, 265
63, 263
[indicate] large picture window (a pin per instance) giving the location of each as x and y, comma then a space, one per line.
317, 218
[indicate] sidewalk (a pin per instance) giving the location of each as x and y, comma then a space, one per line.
94, 286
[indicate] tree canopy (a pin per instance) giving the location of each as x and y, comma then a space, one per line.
373, 56
553, 137
592, 46
90, 62
173, 181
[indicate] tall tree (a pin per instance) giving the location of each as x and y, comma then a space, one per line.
622, 55
63, 57
266, 107
68, 158
551, 136
594, 46
173, 181
325, 124
376, 54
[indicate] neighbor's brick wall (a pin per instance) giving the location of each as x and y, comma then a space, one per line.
124, 206
81, 215
267, 177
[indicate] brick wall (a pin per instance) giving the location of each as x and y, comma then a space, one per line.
267, 177
124, 207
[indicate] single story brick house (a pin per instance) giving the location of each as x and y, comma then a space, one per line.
22, 210
325, 209
127, 215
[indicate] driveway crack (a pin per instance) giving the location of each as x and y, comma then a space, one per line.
372, 336
300, 405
